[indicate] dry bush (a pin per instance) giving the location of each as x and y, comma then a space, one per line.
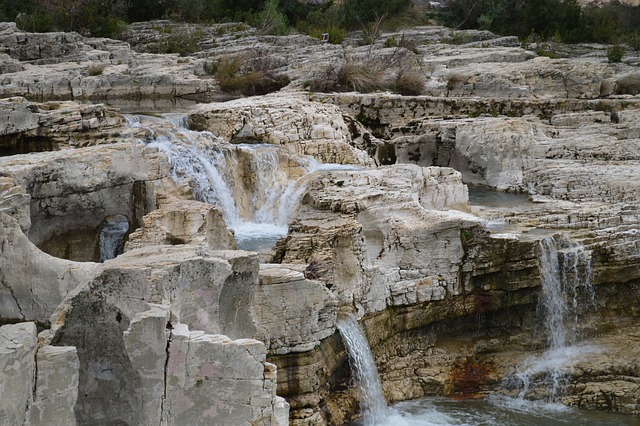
234, 77
96, 69
409, 82
361, 76
371, 31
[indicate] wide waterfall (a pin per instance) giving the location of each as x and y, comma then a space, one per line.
257, 186
566, 279
372, 402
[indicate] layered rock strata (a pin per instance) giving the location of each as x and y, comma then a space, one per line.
193, 331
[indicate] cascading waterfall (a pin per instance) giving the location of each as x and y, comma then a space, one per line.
562, 281
211, 168
372, 403
114, 229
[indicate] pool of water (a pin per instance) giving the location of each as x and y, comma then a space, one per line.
498, 411
483, 196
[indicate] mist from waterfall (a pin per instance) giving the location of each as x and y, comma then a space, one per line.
222, 174
363, 368
565, 273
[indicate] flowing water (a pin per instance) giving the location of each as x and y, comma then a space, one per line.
257, 187
566, 291
566, 275
498, 411
372, 403
114, 229
207, 165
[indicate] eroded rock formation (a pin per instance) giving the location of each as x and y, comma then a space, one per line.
182, 328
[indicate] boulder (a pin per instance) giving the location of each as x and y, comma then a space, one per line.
18, 357
304, 128
56, 387
33, 283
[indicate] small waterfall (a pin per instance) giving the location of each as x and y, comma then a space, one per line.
114, 229
561, 285
251, 184
562, 282
372, 402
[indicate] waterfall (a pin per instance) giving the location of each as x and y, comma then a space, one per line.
372, 402
562, 282
114, 229
554, 300
257, 187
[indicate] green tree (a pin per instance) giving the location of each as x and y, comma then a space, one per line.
359, 12
271, 21
9, 9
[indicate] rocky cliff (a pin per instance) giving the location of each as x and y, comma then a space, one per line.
429, 225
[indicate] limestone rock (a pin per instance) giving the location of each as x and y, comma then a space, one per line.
63, 66
281, 329
92, 183
303, 127
31, 127
18, 358
15, 202
33, 283
183, 222
146, 341
56, 390
525, 154
214, 380
370, 228
145, 364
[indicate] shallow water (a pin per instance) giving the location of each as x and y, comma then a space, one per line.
258, 237
498, 410
482, 196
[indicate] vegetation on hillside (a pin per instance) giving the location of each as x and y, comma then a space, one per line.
559, 20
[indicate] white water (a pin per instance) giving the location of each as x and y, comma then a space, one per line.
363, 368
562, 281
221, 174
112, 236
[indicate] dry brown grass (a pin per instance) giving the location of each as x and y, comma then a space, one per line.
409, 82
361, 77
232, 78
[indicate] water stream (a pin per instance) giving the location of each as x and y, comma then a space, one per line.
257, 187
562, 282
114, 229
372, 403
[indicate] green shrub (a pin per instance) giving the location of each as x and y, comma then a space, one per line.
210, 68
391, 42
633, 40
616, 53
182, 43
336, 33
548, 53
271, 21
458, 39
357, 12
371, 31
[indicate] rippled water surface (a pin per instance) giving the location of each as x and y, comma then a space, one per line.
498, 410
